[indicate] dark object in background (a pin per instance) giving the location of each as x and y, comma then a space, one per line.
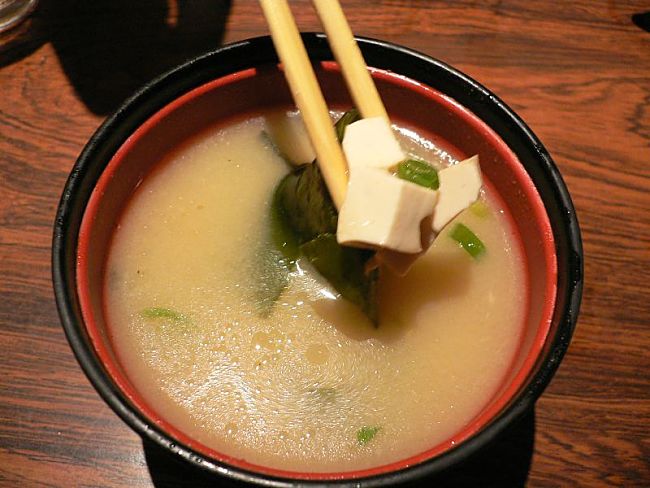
110, 48
121, 44
642, 21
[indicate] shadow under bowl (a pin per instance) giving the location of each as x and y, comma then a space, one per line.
243, 79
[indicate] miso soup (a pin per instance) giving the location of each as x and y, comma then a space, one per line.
304, 382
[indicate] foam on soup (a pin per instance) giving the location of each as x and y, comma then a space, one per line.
307, 384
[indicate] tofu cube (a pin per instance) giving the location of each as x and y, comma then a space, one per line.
289, 133
381, 210
460, 185
371, 143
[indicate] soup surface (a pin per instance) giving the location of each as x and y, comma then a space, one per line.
307, 384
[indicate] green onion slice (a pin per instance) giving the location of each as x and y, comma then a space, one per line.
480, 209
365, 434
467, 240
418, 172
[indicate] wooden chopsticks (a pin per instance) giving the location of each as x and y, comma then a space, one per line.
348, 55
308, 96
304, 86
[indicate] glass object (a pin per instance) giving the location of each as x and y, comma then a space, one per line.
12, 12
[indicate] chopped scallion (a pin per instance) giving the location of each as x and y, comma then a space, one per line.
418, 172
162, 313
467, 240
325, 394
479, 208
365, 434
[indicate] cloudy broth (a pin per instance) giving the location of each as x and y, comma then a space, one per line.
307, 385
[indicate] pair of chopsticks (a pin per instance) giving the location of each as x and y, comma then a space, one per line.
306, 92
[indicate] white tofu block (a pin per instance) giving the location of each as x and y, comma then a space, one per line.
459, 188
289, 133
371, 143
381, 210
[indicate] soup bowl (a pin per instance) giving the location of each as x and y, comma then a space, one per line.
421, 93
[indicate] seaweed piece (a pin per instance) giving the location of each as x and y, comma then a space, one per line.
344, 268
346, 119
304, 221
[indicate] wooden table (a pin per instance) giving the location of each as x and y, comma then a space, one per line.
578, 72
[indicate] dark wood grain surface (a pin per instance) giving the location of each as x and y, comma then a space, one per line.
578, 72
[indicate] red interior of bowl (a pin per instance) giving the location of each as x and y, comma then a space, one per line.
251, 92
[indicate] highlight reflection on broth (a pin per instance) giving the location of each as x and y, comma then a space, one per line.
309, 384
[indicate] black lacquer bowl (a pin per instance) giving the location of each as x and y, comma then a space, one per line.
434, 99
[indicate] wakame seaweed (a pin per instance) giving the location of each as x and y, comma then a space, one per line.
272, 277
344, 267
303, 223
304, 205
275, 259
346, 119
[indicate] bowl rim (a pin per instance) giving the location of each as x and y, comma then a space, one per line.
254, 52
